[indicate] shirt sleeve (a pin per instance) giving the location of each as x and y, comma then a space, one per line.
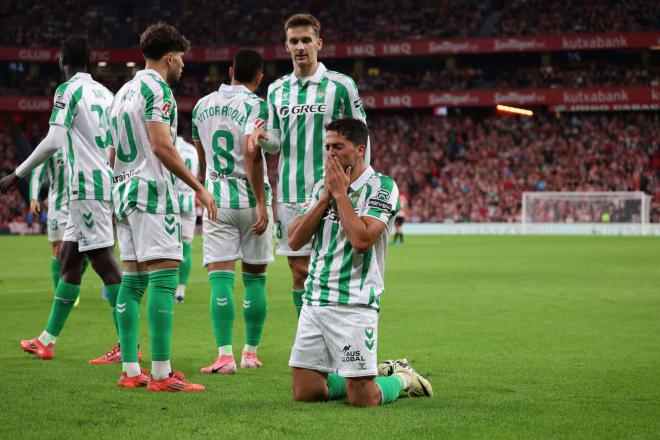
314, 197
258, 117
65, 103
195, 130
383, 203
158, 101
37, 179
353, 106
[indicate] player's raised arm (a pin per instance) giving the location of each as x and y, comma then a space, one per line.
162, 147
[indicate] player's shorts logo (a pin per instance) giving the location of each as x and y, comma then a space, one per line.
351, 356
54, 225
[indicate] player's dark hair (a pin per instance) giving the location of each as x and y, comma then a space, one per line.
75, 52
161, 38
303, 20
248, 64
352, 129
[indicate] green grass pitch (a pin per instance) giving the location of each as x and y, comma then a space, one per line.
521, 337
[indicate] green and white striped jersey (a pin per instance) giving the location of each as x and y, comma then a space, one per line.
300, 112
188, 153
140, 180
220, 120
337, 274
80, 105
56, 171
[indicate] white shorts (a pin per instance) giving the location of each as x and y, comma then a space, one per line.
188, 220
57, 221
144, 237
286, 213
90, 224
337, 339
230, 237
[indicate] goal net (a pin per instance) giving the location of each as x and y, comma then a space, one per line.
585, 212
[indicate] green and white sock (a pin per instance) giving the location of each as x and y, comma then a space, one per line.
55, 271
46, 338
65, 295
255, 307
298, 300
222, 305
225, 350
390, 387
127, 309
112, 291
186, 264
160, 311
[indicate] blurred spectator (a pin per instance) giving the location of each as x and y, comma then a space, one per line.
12, 206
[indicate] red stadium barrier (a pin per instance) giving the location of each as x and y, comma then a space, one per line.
451, 46
607, 98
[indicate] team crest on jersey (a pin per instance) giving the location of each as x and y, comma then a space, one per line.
320, 94
166, 108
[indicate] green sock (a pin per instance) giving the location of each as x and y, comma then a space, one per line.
85, 265
390, 386
112, 290
336, 387
298, 300
160, 311
255, 307
184, 267
222, 305
127, 310
65, 296
55, 271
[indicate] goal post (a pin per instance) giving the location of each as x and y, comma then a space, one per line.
590, 212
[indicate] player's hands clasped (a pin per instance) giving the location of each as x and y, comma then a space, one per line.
8, 182
207, 200
253, 140
337, 180
262, 219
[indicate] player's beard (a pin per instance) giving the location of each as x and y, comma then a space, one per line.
173, 77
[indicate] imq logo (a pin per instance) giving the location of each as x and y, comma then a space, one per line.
302, 109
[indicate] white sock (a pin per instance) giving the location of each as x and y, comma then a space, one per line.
160, 369
250, 348
404, 382
46, 338
181, 290
225, 349
132, 369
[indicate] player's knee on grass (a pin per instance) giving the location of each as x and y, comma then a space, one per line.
362, 392
309, 385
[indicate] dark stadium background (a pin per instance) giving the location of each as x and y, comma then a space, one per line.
430, 74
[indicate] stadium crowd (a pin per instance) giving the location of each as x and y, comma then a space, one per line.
461, 169
12, 206
200, 81
117, 24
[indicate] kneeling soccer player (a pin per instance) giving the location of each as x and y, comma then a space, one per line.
222, 122
348, 216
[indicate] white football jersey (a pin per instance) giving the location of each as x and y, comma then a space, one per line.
140, 180
81, 106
